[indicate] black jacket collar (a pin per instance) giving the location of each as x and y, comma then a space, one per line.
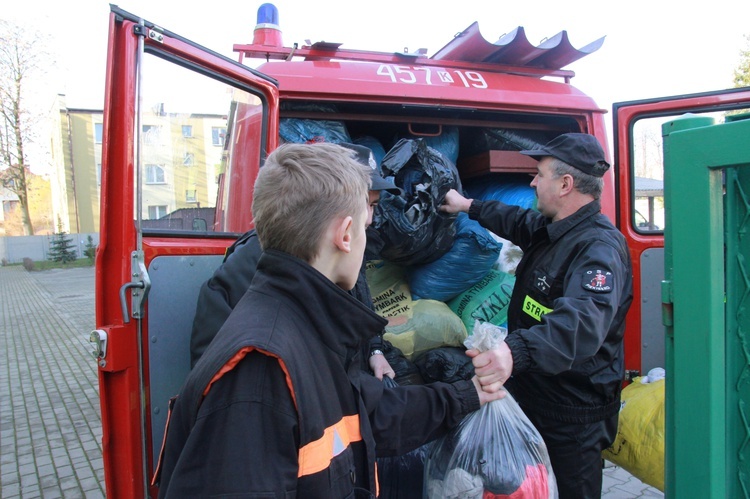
342, 321
556, 230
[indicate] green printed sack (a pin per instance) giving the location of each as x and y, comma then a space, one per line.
486, 301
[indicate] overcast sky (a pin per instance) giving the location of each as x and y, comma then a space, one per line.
652, 48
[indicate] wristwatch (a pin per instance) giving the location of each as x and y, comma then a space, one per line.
376, 352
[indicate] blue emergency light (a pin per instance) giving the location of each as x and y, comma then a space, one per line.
268, 14
267, 30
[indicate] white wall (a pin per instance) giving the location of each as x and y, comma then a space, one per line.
15, 249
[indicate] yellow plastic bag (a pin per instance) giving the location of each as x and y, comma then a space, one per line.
639, 445
432, 325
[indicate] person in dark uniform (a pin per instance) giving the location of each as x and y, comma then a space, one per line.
221, 293
278, 405
563, 359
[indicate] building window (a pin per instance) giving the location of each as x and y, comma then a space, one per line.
187, 131
98, 132
188, 159
190, 196
155, 174
156, 212
151, 134
10, 206
98, 174
217, 135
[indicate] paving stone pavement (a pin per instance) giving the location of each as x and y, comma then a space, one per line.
50, 423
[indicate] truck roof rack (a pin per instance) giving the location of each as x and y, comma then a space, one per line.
512, 53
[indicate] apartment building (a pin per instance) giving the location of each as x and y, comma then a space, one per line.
180, 163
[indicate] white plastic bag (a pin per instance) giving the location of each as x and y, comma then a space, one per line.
493, 452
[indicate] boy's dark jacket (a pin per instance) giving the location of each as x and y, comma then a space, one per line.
226, 287
279, 404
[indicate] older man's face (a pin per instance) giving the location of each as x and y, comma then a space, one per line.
373, 199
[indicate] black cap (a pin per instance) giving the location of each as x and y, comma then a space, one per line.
365, 156
579, 150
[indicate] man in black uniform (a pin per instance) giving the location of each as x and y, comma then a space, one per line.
563, 359
221, 293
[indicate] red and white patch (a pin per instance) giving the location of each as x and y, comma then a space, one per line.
598, 280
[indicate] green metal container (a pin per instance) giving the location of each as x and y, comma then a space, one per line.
706, 307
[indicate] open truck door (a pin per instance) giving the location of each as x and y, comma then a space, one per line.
185, 132
695, 288
639, 156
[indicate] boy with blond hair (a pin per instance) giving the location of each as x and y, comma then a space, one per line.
278, 405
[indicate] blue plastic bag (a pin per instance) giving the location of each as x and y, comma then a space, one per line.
304, 131
471, 257
510, 189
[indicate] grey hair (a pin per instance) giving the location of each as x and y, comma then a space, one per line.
583, 182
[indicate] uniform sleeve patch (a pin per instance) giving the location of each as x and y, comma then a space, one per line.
598, 280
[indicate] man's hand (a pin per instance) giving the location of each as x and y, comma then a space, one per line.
379, 367
487, 396
455, 202
493, 367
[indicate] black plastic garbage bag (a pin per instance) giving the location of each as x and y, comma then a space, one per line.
412, 228
405, 371
502, 139
446, 364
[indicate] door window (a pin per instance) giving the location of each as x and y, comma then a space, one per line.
647, 170
648, 176
183, 148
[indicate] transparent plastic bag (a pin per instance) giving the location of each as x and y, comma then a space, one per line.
494, 452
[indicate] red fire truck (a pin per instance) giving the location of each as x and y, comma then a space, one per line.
186, 131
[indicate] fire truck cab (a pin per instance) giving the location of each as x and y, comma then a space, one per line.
186, 131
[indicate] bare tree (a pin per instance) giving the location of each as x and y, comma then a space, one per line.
21, 59
742, 72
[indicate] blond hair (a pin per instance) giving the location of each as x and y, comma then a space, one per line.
300, 189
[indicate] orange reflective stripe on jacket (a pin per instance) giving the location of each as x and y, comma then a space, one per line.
241, 355
317, 456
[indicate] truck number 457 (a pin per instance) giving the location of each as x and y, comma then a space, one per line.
431, 76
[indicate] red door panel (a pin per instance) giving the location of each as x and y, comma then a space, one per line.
640, 209
185, 132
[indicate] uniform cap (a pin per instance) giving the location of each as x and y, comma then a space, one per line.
579, 150
365, 156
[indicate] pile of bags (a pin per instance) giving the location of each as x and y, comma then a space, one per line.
435, 276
